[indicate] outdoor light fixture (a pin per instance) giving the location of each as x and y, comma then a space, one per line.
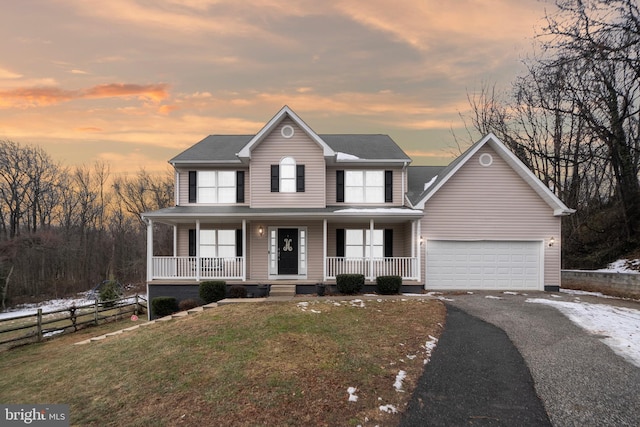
551, 241
421, 240
260, 231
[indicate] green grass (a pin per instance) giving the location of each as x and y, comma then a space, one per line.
249, 364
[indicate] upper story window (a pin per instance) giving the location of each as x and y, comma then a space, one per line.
364, 186
287, 176
216, 186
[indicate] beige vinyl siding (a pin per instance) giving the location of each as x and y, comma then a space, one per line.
492, 203
183, 183
398, 196
269, 152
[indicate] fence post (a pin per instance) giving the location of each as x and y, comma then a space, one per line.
39, 325
95, 313
136, 310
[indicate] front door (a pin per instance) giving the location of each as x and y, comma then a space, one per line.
287, 251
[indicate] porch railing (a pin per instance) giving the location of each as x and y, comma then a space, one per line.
406, 267
189, 268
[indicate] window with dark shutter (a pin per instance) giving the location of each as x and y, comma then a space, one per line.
275, 178
239, 186
340, 187
388, 186
192, 242
300, 178
239, 242
340, 242
388, 242
192, 186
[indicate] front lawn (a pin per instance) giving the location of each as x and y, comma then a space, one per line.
247, 364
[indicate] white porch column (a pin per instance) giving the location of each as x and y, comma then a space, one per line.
324, 250
149, 250
419, 243
198, 263
371, 225
175, 241
244, 250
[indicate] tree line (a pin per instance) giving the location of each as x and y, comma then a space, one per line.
65, 229
574, 118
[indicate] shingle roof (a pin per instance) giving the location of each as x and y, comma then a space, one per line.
214, 148
418, 176
366, 146
223, 148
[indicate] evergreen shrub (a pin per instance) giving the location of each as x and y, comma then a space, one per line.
388, 285
350, 284
213, 291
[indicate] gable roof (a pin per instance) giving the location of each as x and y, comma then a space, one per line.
275, 121
418, 177
338, 148
559, 208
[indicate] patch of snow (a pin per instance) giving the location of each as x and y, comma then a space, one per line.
315, 311
399, 378
341, 157
53, 305
622, 266
619, 325
430, 183
578, 292
389, 409
373, 210
357, 303
352, 396
429, 347
492, 297
510, 293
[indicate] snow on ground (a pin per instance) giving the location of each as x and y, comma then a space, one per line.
49, 306
619, 326
622, 266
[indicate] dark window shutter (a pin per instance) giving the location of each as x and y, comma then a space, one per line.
340, 242
388, 186
192, 186
388, 242
239, 242
340, 186
239, 186
300, 178
192, 242
275, 178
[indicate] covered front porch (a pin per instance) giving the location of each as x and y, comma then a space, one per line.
299, 248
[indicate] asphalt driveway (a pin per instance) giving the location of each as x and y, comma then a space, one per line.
579, 380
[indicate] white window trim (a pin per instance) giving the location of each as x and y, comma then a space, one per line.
364, 243
216, 188
202, 243
349, 190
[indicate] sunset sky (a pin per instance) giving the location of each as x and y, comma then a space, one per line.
135, 82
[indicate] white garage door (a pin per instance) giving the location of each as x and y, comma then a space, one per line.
483, 265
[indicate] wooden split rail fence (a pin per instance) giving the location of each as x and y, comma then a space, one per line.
40, 325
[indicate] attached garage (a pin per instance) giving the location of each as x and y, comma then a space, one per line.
485, 264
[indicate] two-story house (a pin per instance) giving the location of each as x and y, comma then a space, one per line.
290, 207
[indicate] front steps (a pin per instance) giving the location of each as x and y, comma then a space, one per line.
282, 291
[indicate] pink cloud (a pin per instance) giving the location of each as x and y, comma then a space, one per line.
43, 96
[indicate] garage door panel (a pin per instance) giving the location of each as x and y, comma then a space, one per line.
483, 264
